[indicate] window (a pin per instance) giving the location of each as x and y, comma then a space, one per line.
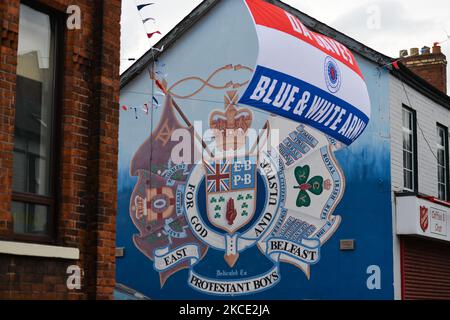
33, 204
409, 150
442, 163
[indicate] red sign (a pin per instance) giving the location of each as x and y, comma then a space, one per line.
424, 218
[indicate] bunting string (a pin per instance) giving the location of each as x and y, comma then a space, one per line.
140, 9
161, 84
145, 109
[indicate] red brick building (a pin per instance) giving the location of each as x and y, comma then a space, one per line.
59, 93
429, 63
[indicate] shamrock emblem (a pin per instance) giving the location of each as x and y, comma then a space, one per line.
213, 200
313, 185
240, 197
217, 216
244, 206
217, 208
244, 213
221, 199
249, 196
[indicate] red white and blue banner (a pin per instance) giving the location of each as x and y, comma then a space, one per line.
305, 76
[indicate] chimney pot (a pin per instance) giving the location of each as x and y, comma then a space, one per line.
403, 53
425, 50
414, 51
437, 49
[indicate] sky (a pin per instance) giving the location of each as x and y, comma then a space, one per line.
384, 25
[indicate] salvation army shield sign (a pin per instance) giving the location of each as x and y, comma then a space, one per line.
424, 220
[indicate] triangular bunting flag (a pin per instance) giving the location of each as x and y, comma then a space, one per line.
148, 19
145, 108
149, 35
142, 6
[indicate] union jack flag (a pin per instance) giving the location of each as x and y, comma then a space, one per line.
218, 176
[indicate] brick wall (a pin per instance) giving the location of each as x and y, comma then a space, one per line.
431, 66
434, 71
88, 154
9, 23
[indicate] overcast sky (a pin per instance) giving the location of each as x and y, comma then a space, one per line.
384, 25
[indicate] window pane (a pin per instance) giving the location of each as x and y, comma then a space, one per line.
441, 138
405, 159
442, 193
407, 143
30, 219
409, 161
405, 117
34, 103
441, 175
441, 157
408, 178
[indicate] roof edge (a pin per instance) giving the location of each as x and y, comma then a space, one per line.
419, 84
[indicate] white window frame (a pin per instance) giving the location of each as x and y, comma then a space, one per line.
442, 148
411, 132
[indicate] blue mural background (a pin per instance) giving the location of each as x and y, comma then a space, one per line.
365, 207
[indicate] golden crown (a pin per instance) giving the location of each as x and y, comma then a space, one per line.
232, 118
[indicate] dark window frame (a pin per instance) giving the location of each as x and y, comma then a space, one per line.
415, 163
447, 157
58, 21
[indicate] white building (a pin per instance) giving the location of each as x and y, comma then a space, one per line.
419, 121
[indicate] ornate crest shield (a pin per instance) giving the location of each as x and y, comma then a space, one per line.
231, 192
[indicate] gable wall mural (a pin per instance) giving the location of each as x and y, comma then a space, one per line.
239, 173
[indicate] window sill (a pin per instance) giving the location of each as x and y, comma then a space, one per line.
38, 250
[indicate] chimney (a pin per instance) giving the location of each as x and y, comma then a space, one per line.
429, 64
414, 51
425, 50
403, 53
